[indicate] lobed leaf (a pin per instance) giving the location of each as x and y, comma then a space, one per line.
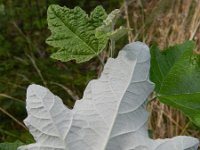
110, 116
73, 33
108, 27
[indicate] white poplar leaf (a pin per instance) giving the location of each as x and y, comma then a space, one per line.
110, 116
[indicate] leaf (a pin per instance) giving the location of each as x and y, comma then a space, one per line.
111, 19
176, 72
110, 116
73, 33
107, 28
163, 61
118, 33
10, 146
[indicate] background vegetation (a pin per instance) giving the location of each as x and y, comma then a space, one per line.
24, 56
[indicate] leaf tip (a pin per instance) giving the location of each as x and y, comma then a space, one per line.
140, 50
35, 89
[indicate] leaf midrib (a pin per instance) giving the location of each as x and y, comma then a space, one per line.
118, 105
181, 105
181, 94
170, 70
79, 38
52, 120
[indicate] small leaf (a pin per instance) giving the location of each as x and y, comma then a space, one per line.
176, 73
118, 33
108, 30
97, 16
112, 18
73, 33
110, 116
10, 146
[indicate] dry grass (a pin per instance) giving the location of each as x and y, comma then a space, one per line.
167, 23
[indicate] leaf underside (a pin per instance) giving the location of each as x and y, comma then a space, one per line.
110, 116
176, 72
73, 33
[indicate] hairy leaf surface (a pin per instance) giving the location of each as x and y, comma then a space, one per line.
73, 33
176, 72
110, 116
107, 29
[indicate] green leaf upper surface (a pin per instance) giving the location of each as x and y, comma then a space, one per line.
73, 33
162, 61
176, 72
10, 146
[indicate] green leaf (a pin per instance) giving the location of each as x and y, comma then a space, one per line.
10, 146
176, 72
73, 33
98, 15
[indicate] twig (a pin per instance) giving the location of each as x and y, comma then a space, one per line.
13, 98
69, 91
23, 35
130, 36
37, 69
112, 47
13, 118
102, 62
185, 127
122, 8
171, 119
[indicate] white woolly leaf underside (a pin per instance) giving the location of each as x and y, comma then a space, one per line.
110, 116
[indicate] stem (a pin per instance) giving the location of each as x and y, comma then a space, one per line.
37, 69
112, 47
130, 35
112, 41
185, 128
12, 98
102, 62
68, 90
13, 118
